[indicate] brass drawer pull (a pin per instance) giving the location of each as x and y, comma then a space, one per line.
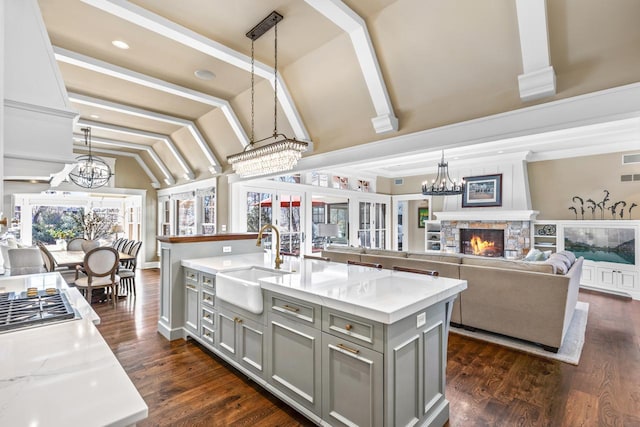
348, 327
349, 349
192, 276
293, 309
237, 319
191, 287
207, 316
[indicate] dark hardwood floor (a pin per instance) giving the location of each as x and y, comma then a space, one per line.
487, 385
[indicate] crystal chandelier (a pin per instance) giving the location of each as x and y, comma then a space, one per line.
443, 185
90, 171
282, 154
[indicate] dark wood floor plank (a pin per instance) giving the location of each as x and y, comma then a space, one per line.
487, 385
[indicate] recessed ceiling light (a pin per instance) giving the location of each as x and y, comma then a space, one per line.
500, 152
120, 44
94, 116
204, 74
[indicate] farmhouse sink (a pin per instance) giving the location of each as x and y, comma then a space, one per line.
241, 287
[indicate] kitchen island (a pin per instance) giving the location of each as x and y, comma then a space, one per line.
62, 373
344, 345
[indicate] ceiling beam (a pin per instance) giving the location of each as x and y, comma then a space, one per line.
98, 66
538, 79
152, 115
350, 22
169, 29
154, 181
188, 173
168, 178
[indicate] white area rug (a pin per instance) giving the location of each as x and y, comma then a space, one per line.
571, 347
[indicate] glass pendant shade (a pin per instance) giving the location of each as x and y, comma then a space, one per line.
90, 171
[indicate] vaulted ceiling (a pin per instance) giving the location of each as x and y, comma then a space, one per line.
352, 72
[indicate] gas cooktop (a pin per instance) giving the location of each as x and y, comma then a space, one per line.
33, 308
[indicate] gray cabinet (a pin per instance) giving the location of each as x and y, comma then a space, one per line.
241, 338
352, 383
294, 359
192, 302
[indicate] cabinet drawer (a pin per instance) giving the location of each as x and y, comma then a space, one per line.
293, 308
207, 334
208, 281
190, 276
208, 317
208, 297
353, 328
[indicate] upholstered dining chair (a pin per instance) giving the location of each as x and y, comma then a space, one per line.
127, 271
75, 244
50, 265
87, 245
25, 261
100, 265
127, 246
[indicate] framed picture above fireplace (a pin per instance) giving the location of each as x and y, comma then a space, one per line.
482, 191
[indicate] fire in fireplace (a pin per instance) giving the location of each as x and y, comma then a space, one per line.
483, 242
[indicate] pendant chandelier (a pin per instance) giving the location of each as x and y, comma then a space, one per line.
90, 171
283, 153
443, 185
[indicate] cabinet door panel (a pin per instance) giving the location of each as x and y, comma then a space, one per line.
406, 386
192, 311
628, 280
588, 275
294, 362
251, 346
606, 277
434, 365
352, 383
227, 333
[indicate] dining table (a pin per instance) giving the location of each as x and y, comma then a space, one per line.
71, 259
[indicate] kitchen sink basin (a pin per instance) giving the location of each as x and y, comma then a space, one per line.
241, 287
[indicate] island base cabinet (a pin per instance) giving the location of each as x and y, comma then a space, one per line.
192, 303
241, 339
294, 360
352, 381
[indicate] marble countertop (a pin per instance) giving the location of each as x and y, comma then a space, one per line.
382, 295
63, 374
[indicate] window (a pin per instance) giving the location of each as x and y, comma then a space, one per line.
185, 214
207, 201
372, 220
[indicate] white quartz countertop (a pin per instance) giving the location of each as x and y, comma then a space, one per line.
382, 295
63, 374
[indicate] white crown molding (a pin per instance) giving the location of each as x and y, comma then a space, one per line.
188, 173
98, 66
19, 105
538, 79
350, 22
171, 30
152, 115
169, 180
154, 181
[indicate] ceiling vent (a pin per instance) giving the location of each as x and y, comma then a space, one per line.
630, 159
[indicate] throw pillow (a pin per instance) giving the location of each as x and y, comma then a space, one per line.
533, 255
570, 255
559, 265
546, 254
562, 257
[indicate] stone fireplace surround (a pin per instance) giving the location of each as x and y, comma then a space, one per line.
516, 225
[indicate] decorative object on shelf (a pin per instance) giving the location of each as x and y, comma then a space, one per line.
282, 154
482, 191
581, 205
633, 205
423, 216
90, 171
546, 230
591, 204
443, 185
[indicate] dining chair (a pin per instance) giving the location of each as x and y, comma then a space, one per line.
25, 261
100, 265
50, 265
127, 246
127, 271
75, 244
121, 244
116, 243
416, 270
87, 245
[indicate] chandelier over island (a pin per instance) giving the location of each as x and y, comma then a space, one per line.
283, 153
90, 171
443, 185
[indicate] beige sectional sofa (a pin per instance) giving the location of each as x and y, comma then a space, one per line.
524, 300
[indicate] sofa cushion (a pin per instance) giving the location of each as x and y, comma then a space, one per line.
570, 255
562, 257
559, 266
440, 257
397, 254
533, 266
